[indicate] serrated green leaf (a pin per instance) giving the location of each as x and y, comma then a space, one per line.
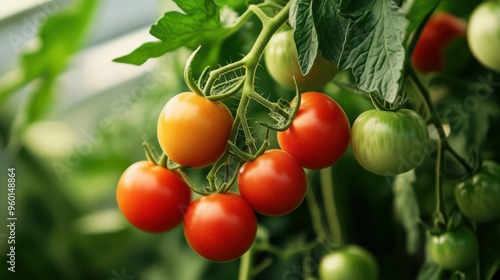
304, 35
331, 28
406, 208
146, 51
318, 25
199, 25
374, 49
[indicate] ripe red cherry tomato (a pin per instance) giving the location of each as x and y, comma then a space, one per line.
152, 198
319, 134
273, 184
193, 131
441, 29
220, 227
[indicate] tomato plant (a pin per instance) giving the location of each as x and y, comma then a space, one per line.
440, 31
220, 227
283, 65
368, 47
273, 184
193, 131
388, 143
483, 34
479, 196
319, 134
151, 197
454, 250
348, 262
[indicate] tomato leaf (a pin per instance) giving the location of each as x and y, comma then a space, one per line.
199, 24
374, 49
318, 25
305, 36
406, 209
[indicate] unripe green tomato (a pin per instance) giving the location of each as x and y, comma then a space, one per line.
483, 34
348, 263
282, 64
389, 143
454, 250
478, 197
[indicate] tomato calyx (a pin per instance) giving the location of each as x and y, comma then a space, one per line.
381, 104
284, 113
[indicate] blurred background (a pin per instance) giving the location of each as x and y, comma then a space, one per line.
71, 121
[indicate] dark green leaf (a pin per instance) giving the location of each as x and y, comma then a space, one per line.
374, 49
199, 25
355, 9
331, 28
305, 36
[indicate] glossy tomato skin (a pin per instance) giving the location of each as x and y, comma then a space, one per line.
152, 198
389, 143
220, 227
440, 31
273, 184
282, 64
454, 250
348, 263
483, 34
319, 134
478, 197
193, 131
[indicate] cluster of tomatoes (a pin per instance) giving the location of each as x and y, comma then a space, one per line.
222, 226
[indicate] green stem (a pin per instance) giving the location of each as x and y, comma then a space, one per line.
440, 210
246, 265
435, 119
329, 204
316, 218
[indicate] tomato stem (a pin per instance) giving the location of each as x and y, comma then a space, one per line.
327, 188
314, 209
440, 211
435, 119
188, 77
246, 262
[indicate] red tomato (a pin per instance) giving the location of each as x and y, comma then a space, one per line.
273, 184
319, 134
220, 227
152, 198
441, 29
193, 131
